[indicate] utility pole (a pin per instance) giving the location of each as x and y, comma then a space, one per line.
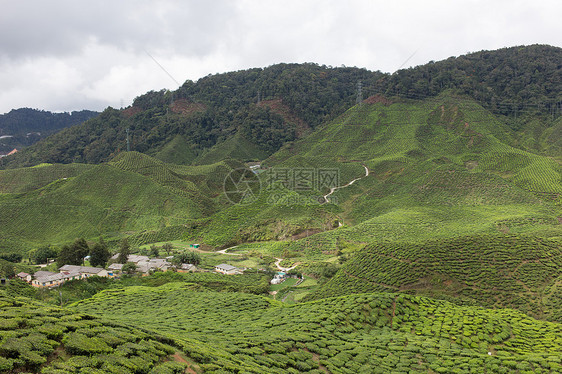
128, 142
359, 98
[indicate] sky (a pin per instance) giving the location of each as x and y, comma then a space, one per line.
65, 55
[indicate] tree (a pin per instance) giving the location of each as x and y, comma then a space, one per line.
12, 257
124, 251
43, 254
168, 247
129, 268
154, 252
99, 254
81, 249
187, 258
7, 269
73, 254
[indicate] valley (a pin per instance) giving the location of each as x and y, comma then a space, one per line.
423, 231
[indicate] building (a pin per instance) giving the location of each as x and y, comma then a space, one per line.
24, 277
50, 279
227, 269
135, 259
86, 271
114, 269
186, 268
67, 272
279, 277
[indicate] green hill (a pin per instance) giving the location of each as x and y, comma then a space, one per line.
177, 151
236, 147
23, 127
366, 333
496, 271
39, 338
133, 194
283, 102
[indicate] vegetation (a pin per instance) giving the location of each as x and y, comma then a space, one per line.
408, 214
359, 333
23, 127
36, 337
500, 271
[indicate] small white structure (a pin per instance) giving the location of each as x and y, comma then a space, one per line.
279, 278
227, 269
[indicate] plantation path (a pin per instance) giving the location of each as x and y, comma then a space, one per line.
177, 357
333, 189
223, 251
278, 262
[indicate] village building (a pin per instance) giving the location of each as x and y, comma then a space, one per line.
49, 279
227, 269
67, 272
24, 277
155, 264
86, 271
114, 270
186, 268
280, 277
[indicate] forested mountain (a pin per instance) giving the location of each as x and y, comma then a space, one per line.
23, 127
271, 106
424, 222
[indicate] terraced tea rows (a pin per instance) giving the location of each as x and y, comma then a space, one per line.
375, 333
495, 271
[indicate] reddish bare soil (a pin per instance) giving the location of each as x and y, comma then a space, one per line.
378, 98
186, 108
130, 111
277, 106
177, 357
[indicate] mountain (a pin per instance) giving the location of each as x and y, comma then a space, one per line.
23, 127
425, 220
281, 103
133, 194
209, 112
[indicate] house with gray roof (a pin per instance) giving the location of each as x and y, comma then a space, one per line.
227, 269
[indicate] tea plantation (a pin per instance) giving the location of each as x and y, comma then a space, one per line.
365, 333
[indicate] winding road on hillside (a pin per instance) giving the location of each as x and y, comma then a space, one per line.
334, 189
286, 270
279, 260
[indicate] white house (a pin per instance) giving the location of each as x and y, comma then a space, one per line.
227, 269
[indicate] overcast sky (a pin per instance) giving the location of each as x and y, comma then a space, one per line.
70, 55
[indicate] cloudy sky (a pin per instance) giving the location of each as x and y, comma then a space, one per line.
64, 55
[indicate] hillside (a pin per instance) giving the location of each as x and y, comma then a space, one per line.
133, 194
496, 271
55, 340
431, 164
284, 102
23, 127
368, 333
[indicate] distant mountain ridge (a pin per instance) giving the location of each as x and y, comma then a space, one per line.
272, 106
25, 126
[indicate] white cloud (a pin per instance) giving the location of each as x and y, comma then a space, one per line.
69, 55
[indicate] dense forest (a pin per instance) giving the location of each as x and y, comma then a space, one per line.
23, 127
280, 103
